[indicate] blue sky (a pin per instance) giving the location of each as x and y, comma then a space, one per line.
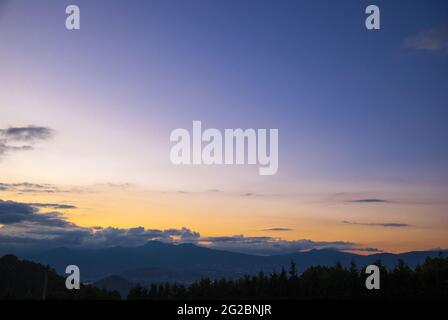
362, 98
357, 110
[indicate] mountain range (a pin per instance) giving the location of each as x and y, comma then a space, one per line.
163, 262
121, 268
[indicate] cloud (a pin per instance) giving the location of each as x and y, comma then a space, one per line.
270, 245
30, 133
23, 224
29, 187
386, 225
371, 200
106, 237
118, 186
26, 187
43, 235
15, 212
22, 138
6, 148
433, 39
370, 250
277, 229
55, 206
221, 192
12, 212
214, 190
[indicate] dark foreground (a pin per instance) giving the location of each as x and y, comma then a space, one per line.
24, 280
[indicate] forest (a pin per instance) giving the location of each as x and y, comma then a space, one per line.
427, 281
21, 279
26, 280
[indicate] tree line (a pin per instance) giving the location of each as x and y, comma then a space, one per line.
32, 281
26, 280
427, 281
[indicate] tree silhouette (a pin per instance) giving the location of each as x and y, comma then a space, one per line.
28, 280
428, 281
33, 281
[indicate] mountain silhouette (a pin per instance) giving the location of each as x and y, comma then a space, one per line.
115, 283
188, 262
20, 279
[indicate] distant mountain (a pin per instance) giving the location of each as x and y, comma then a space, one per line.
116, 283
25, 280
99, 263
160, 262
328, 257
21, 279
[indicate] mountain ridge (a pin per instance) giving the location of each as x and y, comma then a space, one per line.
190, 261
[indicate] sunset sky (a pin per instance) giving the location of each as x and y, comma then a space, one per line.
86, 116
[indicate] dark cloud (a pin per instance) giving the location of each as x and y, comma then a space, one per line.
106, 237
23, 224
271, 246
432, 39
370, 250
41, 236
55, 206
30, 133
371, 200
15, 212
22, 138
44, 235
386, 225
277, 229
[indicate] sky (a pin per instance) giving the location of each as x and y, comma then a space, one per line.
86, 116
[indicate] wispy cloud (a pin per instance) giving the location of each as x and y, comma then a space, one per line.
385, 225
277, 229
56, 206
27, 187
228, 193
4, 148
369, 250
369, 200
389, 198
22, 138
30, 133
432, 39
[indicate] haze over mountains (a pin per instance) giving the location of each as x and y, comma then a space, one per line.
161, 262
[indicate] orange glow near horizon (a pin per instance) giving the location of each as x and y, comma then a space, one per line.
214, 215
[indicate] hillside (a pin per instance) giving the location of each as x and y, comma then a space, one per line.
157, 261
21, 279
